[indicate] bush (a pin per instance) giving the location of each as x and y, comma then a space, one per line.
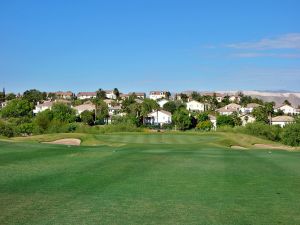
87, 117
6, 129
25, 129
167, 126
205, 125
43, 120
291, 134
263, 130
224, 120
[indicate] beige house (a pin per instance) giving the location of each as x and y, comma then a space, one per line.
282, 120
155, 95
195, 106
249, 108
81, 108
229, 109
247, 119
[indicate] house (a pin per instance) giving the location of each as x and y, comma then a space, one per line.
157, 95
86, 95
195, 106
249, 108
159, 117
43, 106
282, 120
110, 94
218, 96
229, 109
141, 95
114, 110
109, 102
162, 102
234, 98
288, 109
247, 119
81, 108
213, 120
64, 95
3, 104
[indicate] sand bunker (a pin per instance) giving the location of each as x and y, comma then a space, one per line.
237, 147
65, 141
270, 146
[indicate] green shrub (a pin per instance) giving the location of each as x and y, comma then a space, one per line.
25, 129
263, 130
205, 125
224, 120
6, 129
291, 134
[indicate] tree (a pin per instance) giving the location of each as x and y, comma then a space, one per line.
224, 120
63, 113
170, 107
261, 114
101, 110
2, 96
101, 94
43, 120
202, 117
116, 93
184, 97
87, 117
148, 106
237, 120
286, 102
181, 119
17, 108
52, 96
10, 96
168, 95
34, 96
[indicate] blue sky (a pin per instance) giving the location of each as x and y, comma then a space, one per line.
150, 45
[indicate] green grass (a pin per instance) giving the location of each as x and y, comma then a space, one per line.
171, 178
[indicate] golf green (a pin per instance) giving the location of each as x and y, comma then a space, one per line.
148, 179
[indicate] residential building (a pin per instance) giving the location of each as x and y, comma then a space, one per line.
249, 108
282, 120
159, 117
288, 109
155, 95
162, 102
86, 95
247, 119
114, 110
229, 109
195, 106
84, 107
43, 106
110, 94
64, 94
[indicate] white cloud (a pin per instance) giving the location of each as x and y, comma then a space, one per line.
286, 41
272, 55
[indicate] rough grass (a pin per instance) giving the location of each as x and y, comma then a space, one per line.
147, 179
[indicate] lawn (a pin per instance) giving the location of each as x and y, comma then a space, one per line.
148, 179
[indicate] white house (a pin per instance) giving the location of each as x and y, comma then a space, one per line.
195, 106
80, 108
114, 110
229, 109
110, 94
42, 107
159, 117
282, 120
157, 94
247, 119
162, 102
249, 108
233, 98
287, 109
86, 95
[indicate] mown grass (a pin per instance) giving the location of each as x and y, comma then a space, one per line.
182, 178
